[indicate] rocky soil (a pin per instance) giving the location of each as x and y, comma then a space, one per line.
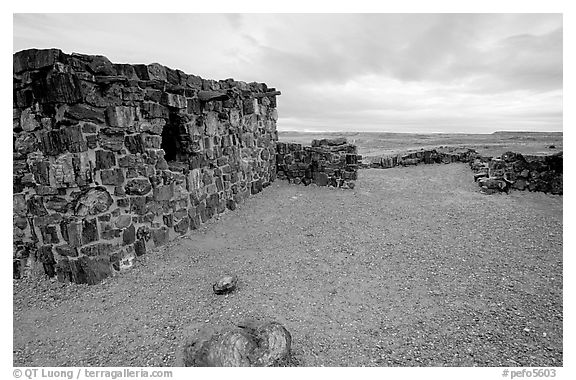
414, 267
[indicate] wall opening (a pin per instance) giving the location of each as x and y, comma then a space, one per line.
175, 139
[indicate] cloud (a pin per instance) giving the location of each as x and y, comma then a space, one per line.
478, 72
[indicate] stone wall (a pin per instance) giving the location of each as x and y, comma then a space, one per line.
520, 172
328, 162
110, 160
423, 156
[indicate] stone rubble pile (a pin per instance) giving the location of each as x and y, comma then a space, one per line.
112, 159
328, 162
519, 172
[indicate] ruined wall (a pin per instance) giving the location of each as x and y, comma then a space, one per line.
424, 156
110, 160
328, 162
520, 172
493, 174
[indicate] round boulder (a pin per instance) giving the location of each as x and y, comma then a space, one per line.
249, 344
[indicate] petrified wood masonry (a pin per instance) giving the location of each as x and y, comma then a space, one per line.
113, 159
328, 162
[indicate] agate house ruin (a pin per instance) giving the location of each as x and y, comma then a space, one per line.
111, 160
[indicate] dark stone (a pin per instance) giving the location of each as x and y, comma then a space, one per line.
219, 184
91, 141
104, 218
480, 175
194, 222
89, 128
121, 117
100, 65
72, 139
114, 142
321, 179
92, 201
231, 204
16, 269
129, 235
193, 106
42, 221
36, 206
49, 235
160, 236
143, 233
89, 270
105, 159
208, 96
34, 59
182, 226
112, 177
519, 184
168, 220
46, 257
71, 230
163, 193
138, 186
136, 171
151, 141
63, 270
153, 110
20, 222
97, 249
25, 143
138, 205
130, 160
226, 284
140, 247
67, 250
173, 100
83, 112
51, 143
351, 159
134, 144
89, 231
493, 183
125, 70
58, 88
256, 186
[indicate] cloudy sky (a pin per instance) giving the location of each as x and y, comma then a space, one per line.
475, 73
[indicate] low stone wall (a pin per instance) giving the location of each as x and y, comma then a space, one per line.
113, 159
519, 172
493, 174
429, 156
328, 162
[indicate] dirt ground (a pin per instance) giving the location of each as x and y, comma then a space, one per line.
414, 267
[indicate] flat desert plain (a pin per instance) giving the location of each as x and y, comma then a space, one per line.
379, 143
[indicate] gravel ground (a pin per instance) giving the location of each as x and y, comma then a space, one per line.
414, 267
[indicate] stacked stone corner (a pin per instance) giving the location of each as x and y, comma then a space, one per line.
111, 160
327, 162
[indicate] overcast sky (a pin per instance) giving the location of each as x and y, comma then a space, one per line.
475, 73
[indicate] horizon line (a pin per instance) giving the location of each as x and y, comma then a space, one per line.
427, 132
